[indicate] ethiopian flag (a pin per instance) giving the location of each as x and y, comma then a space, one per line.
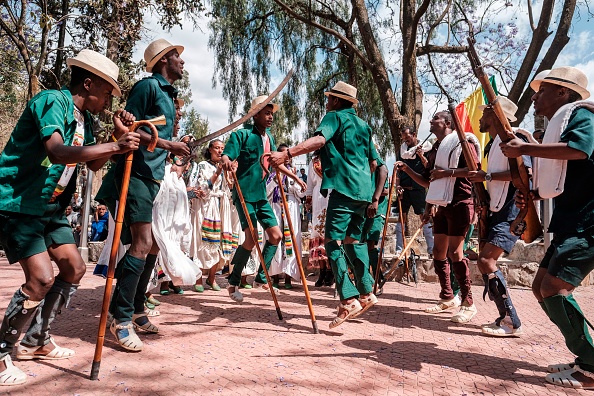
469, 115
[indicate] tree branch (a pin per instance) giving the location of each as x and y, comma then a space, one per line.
442, 49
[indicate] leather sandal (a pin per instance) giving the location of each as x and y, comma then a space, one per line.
366, 303
141, 321
27, 353
126, 336
351, 309
555, 368
565, 378
444, 305
12, 375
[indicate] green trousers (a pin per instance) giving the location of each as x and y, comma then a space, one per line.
358, 261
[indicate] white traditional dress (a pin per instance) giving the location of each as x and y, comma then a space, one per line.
285, 261
319, 204
172, 230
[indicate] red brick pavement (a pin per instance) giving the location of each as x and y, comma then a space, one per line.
210, 345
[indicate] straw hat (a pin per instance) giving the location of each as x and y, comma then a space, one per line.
99, 65
344, 91
179, 102
261, 99
509, 108
156, 50
565, 76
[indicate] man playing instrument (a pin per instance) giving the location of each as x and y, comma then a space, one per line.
348, 154
564, 171
502, 211
149, 98
453, 194
412, 153
37, 179
246, 146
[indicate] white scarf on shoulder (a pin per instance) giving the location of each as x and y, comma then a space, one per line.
500, 163
549, 177
411, 153
441, 191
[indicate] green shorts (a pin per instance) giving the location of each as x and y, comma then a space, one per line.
373, 228
344, 217
570, 257
23, 235
139, 203
260, 211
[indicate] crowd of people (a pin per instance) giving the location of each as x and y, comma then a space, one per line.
189, 216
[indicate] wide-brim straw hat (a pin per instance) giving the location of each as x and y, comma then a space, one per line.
256, 101
179, 102
565, 76
509, 108
344, 91
156, 50
99, 65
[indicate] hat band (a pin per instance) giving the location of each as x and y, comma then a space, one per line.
561, 80
341, 93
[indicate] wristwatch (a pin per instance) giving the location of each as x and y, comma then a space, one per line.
488, 177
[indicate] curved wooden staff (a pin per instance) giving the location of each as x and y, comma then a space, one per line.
384, 231
390, 274
297, 255
254, 234
116, 237
403, 232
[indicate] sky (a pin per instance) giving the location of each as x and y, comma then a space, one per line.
209, 102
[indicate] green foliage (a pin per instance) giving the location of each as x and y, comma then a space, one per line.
193, 124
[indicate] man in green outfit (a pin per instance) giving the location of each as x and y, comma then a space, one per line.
348, 156
564, 171
246, 146
37, 179
374, 224
149, 98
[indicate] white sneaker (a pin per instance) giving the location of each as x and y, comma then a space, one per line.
444, 305
503, 330
465, 314
235, 295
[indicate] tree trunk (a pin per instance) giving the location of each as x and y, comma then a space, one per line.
61, 42
379, 72
559, 42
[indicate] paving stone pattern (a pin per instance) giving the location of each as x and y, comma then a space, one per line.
209, 345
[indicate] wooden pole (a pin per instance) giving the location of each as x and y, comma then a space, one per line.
116, 239
384, 231
297, 254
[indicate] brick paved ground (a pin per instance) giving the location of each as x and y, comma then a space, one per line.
210, 345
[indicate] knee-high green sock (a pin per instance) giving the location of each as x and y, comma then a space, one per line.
565, 312
544, 308
268, 252
338, 262
240, 259
359, 258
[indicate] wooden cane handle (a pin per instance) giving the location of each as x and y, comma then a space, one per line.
154, 133
264, 168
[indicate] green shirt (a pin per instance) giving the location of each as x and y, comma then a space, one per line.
149, 98
27, 177
574, 208
246, 146
345, 156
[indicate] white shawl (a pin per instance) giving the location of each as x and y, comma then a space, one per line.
441, 191
549, 177
411, 153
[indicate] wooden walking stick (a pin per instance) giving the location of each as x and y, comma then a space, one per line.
297, 256
116, 237
384, 231
402, 231
389, 275
254, 234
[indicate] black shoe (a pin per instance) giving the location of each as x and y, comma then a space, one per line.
329, 279
320, 281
